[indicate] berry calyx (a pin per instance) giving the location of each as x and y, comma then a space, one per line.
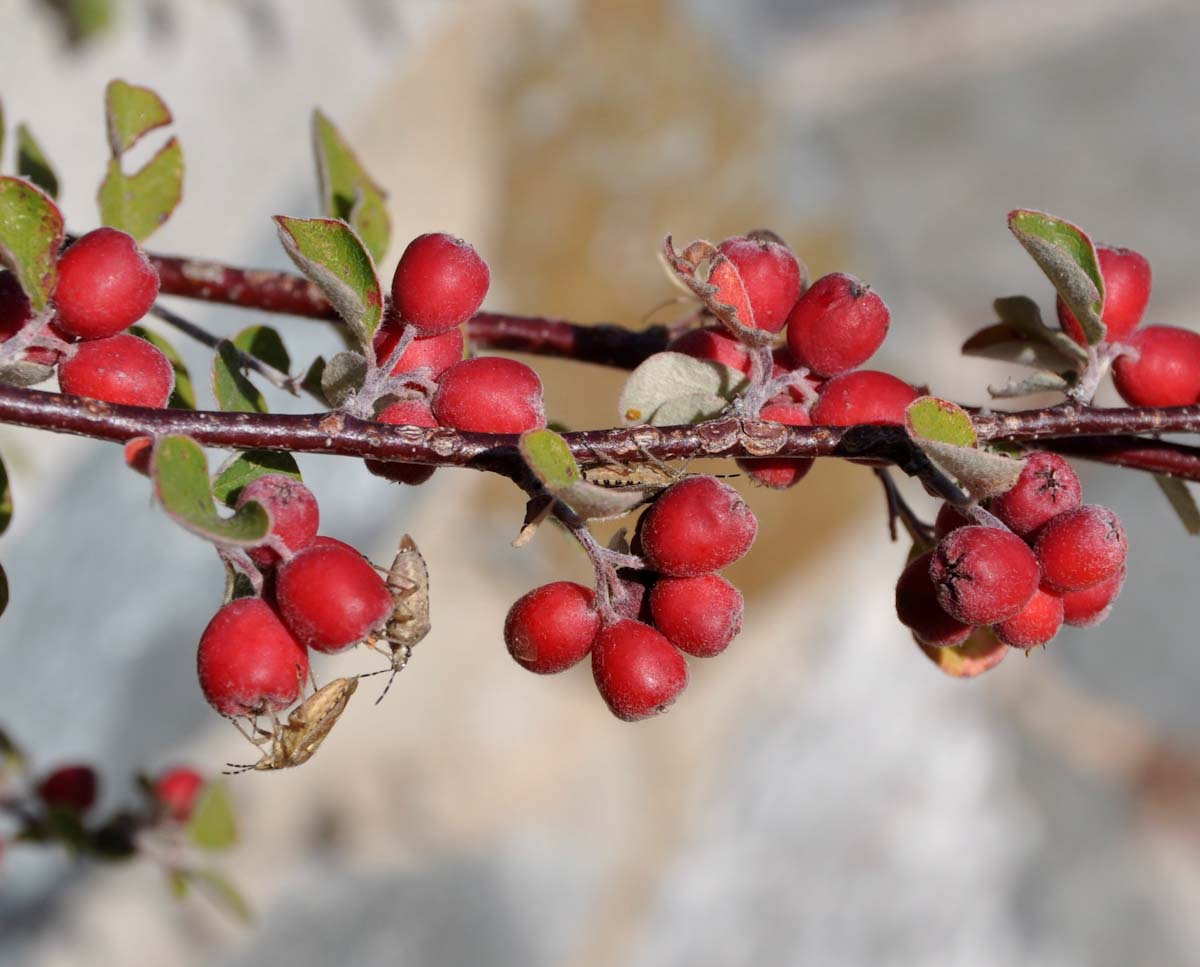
1127, 281
863, 396
1089, 607
699, 615
435, 353
120, 369
105, 285
695, 526
837, 325
771, 276
490, 394
983, 575
551, 628
330, 597
1081, 548
295, 516
177, 789
73, 788
918, 608
637, 671
1046, 488
413, 412
1165, 371
1033, 625
440, 282
779, 473
248, 661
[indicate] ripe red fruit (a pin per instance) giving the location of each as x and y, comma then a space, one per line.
249, 663
863, 396
73, 788
696, 526
1033, 625
178, 789
636, 584
435, 353
1087, 608
637, 671
780, 473
331, 597
714, 344
770, 275
1046, 488
983, 575
490, 394
120, 369
1166, 371
105, 285
439, 283
413, 412
949, 518
918, 609
551, 628
295, 516
1126, 277
15, 312
699, 615
1081, 548
837, 325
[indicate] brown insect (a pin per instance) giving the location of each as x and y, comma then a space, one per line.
294, 742
408, 581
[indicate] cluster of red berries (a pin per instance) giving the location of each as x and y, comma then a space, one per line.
1049, 560
678, 605
439, 283
105, 285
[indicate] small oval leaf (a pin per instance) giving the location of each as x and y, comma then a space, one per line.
241, 469
6, 502
931, 418
33, 164
211, 826
1065, 253
265, 343
347, 191
234, 392
1182, 502
3, 591
669, 376
131, 113
183, 396
548, 456
141, 202
31, 234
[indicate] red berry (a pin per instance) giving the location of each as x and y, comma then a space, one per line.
918, 609
435, 353
1046, 488
331, 597
636, 585
248, 661
105, 285
1033, 625
404, 413
137, 454
949, 518
73, 788
1087, 608
699, 615
714, 344
178, 789
1081, 548
1126, 277
837, 325
120, 369
696, 526
439, 283
771, 277
1166, 371
551, 628
637, 671
983, 575
780, 473
490, 394
15, 312
863, 396
294, 513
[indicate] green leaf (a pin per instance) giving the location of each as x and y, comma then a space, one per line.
1065, 253
667, 377
223, 892
979, 653
183, 397
313, 376
33, 164
177, 883
266, 344
31, 233
1023, 316
211, 826
342, 377
6, 501
347, 191
22, 372
131, 112
548, 456
930, 418
1182, 501
141, 202
234, 392
1042, 381
945, 432
3, 591
331, 255
241, 469
180, 475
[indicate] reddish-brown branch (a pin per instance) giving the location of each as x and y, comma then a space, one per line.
1134, 453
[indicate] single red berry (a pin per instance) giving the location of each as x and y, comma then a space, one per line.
1087, 608
949, 518
249, 663
295, 516
863, 396
1033, 625
779, 473
770, 274
331, 597
490, 394
1166, 371
120, 369
105, 285
918, 609
714, 344
137, 454
696, 526
837, 325
1126, 277
414, 412
637, 671
1046, 488
699, 615
983, 575
552, 627
178, 789
73, 788
1081, 548
636, 585
439, 283
435, 353
15, 312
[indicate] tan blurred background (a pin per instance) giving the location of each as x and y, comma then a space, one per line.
821, 794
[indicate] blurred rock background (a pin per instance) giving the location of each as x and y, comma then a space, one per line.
821, 794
